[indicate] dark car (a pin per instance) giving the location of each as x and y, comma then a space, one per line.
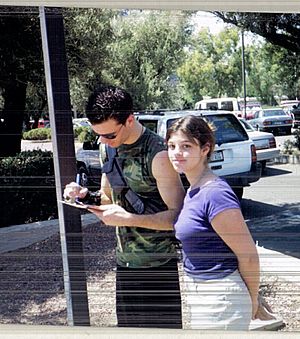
295, 112
234, 157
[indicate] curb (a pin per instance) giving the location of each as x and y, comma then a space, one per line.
286, 159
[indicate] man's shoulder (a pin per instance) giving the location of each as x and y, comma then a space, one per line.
154, 140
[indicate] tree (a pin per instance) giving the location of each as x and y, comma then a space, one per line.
280, 29
271, 72
20, 63
148, 48
22, 81
88, 33
277, 28
212, 66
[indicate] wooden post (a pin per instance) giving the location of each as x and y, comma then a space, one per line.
57, 83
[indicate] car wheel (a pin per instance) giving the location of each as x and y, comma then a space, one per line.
84, 176
288, 131
263, 166
239, 191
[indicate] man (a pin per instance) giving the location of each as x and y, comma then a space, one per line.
147, 286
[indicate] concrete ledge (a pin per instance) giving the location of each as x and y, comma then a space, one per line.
79, 332
20, 236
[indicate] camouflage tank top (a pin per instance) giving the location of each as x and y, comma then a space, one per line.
140, 247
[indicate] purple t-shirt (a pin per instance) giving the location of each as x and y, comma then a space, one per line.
205, 255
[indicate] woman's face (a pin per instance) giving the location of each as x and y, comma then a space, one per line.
186, 156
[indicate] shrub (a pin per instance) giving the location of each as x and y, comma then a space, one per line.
84, 130
288, 147
297, 138
27, 188
87, 134
292, 147
38, 134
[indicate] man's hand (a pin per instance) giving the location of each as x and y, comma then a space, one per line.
73, 191
111, 214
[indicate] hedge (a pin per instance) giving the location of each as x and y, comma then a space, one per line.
27, 188
82, 133
38, 134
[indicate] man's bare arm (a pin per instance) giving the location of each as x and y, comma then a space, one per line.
172, 193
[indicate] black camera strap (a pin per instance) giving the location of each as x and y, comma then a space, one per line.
113, 170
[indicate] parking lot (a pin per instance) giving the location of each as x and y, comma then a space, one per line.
271, 205
272, 209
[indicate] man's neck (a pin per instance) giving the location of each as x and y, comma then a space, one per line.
136, 132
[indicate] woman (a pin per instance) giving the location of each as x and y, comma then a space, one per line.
221, 265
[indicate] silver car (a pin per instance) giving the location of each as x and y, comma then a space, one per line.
273, 120
234, 157
265, 143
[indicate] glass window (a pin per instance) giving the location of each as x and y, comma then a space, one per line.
228, 128
151, 124
212, 105
227, 105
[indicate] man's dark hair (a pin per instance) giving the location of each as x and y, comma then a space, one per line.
109, 102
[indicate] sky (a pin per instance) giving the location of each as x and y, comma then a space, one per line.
215, 25
206, 19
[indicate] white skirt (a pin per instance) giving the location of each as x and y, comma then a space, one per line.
223, 304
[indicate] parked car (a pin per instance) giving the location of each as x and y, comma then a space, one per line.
295, 112
78, 122
43, 123
273, 120
88, 164
234, 157
226, 104
265, 144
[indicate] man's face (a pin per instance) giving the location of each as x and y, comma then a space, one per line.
113, 133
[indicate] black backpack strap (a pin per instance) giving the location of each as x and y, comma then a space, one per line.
113, 170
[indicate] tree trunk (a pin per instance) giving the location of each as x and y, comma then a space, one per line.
13, 114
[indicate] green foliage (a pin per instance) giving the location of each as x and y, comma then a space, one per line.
88, 33
78, 130
281, 29
272, 71
38, 134
292, 147
147, 49
297, 138
87, 135
288, 147
213, 65
27, 188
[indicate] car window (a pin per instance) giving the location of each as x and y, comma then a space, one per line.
246, 125
212, 105
151, 124
227, 128
256, 115
227, 105
272, 113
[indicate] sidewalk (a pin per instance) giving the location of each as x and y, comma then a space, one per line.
273, 263
20, 236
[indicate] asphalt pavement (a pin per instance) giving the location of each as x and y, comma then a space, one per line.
274, 226
273, 263
271, 207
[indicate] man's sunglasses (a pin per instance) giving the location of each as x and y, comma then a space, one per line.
112, 135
